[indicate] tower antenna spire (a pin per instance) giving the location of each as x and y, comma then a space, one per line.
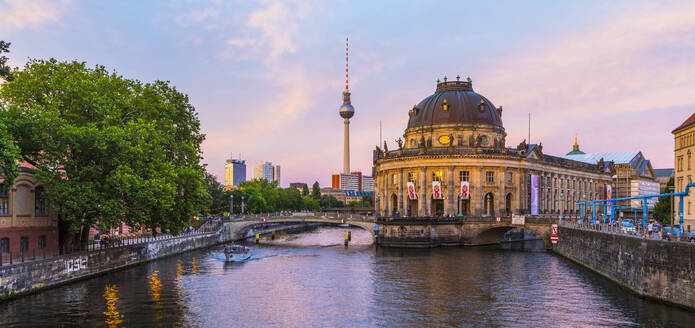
346, 63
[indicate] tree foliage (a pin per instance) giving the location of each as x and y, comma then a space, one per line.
662, 209
259, 196
9, 152
109, 149
5, 71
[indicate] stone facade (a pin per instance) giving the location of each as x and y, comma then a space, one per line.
684, 150
26, 222
656, 269
450, 141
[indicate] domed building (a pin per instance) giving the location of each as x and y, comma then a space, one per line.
453, 160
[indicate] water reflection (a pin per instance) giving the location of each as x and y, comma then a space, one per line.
307, 282
113, 317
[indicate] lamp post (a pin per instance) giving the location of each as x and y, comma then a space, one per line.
671, 215
242, 206
231, 205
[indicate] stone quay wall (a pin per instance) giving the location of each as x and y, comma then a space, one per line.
660, 270
22, 278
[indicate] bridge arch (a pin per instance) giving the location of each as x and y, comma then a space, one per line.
240, 229
493, 235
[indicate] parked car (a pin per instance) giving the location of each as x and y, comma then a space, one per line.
627, 226
691, 236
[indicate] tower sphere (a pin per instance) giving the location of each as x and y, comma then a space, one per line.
346, 111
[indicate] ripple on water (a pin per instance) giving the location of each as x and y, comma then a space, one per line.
304, 281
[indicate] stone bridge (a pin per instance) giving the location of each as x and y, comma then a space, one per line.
413, 232
240, 228
471, 231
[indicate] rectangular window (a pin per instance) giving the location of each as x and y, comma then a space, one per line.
42, 242
464, 176
5, 245
490, 177
394, 178
437, 176
4, 200
39, 202
24, 244
412, 177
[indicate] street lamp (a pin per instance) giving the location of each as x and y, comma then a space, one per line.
231, 205
671, 214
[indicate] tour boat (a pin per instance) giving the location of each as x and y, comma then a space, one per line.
237, 253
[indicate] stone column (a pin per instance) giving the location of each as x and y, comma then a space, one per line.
422, 181
477, 201
401, 199
428, 192
450, 207
502, 192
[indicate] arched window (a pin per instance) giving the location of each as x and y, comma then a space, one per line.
508, 204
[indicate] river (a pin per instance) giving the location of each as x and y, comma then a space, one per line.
312, 280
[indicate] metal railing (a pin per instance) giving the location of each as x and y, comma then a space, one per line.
9, 258
633, 231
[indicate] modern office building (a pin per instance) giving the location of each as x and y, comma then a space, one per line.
267, 171
684, 147
634, 176
663, 176
234, 172
354, 181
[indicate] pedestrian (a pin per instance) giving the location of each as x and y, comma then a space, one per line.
650, 228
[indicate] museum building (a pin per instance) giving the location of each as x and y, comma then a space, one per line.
453, 161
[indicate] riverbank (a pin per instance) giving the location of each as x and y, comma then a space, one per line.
658, 270
24, 278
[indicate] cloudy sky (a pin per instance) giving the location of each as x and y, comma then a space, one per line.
266, 77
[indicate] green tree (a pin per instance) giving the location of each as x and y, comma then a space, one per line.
108, 148
662, 209
9, 152
5, 71
9, 155
316, 190
305, 190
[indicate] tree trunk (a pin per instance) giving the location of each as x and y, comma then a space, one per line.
84, 237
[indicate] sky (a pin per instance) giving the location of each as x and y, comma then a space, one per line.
266, 77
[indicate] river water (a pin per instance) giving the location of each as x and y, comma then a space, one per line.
306, 280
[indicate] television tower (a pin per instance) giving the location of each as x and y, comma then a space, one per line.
346, 112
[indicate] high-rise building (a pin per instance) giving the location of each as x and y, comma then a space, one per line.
266, 170
234, 171
354, 181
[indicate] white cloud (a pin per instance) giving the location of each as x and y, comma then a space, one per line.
22, 14
630, 63
270, 32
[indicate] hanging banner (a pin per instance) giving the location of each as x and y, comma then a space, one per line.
464, 190
609, 195
411, 190
436, 190
534, 195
